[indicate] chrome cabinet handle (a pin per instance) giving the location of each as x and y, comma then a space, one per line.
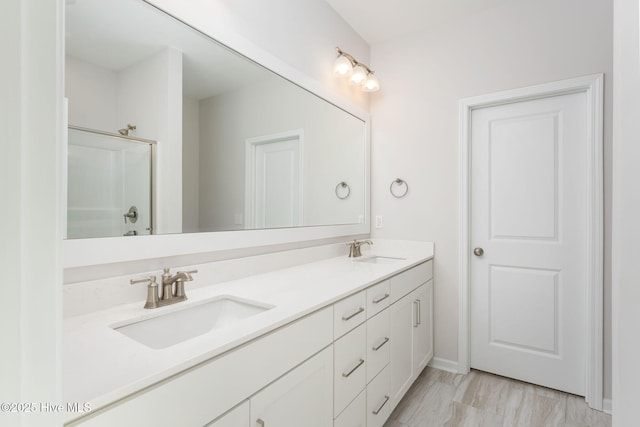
352, 315
380, 299
377, 411
478, 251
419, 314
379, 346
357, 365
260, 422
415, 316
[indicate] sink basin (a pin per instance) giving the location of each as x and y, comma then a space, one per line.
379, 259
171, 328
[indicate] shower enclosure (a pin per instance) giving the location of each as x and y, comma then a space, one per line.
109, 184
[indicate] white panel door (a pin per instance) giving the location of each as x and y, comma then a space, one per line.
528, 213
277, 184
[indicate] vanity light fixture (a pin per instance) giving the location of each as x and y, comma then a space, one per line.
359, 74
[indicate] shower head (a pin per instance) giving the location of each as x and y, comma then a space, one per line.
125, 131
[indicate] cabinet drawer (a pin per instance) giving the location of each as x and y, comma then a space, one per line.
378, 399
349, 313
409, 280
356, 413
378, 298
378, 346
350, 368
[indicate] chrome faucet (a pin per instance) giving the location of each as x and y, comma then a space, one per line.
170, 294
354, 247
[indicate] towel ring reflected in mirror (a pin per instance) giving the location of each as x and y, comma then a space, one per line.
398, 193
340, 195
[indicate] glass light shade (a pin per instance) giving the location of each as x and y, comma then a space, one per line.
342, 66
358, 76
371, 84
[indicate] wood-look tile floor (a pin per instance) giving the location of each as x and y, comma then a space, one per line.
440, 398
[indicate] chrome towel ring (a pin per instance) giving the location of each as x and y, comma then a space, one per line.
398, 193
342, 185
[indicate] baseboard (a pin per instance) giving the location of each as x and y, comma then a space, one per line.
607, 407
444, 364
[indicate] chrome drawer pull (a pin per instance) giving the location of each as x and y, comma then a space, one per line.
380, 299
377, 347
260, 422
419, 314
346, 374
415, 316
377, 411
354, 314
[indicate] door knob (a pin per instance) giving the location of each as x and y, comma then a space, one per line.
478, 251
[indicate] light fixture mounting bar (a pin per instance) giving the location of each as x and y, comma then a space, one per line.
354, 62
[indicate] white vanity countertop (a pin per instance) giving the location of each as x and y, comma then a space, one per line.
101, 365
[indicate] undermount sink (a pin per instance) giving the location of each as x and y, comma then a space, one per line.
379, 259
193, 320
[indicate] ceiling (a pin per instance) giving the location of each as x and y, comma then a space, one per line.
378, 21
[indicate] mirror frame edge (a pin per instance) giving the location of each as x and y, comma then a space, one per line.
96, 251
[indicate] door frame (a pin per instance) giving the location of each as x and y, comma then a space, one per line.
592, 85
251, 145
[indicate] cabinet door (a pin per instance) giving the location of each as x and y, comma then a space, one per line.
423, 332
401, 363
303, 397
237, 417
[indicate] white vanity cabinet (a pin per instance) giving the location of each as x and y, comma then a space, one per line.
202, 394
303, 397
411, 329
344, 365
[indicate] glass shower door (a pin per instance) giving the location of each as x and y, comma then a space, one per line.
109, 185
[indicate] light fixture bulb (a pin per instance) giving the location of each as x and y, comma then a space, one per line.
342, 66
358, 76
371, 84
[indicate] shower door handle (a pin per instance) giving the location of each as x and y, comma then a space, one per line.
132, 215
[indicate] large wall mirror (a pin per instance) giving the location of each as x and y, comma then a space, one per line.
230, 145
170, 132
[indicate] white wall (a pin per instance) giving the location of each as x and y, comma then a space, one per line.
31, 222
626, 212
150, 97
415, 119
92, 94
190, 165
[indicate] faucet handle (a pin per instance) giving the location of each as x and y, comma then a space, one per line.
179, 290
189, 273
149, 279
152, 290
